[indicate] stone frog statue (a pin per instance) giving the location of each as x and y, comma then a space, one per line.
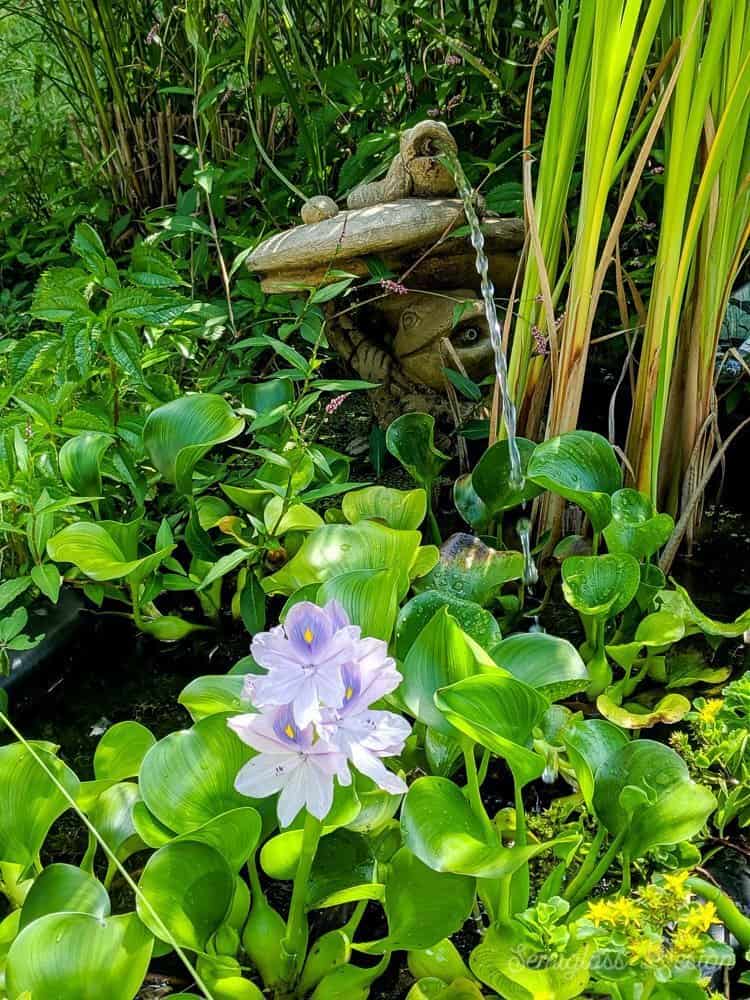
413, 224
399, 342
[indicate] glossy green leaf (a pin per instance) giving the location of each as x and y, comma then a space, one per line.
344, 859
499, 962
80, 461
121, 750
369, 597
234, 834
402, 509
296, 517
499, 712
476, 622
470, 505
600, 586
91, 547
441, 654
589, 743
29, 801
422, 906
212, 694
76, 956
64, 889
411, 440
645, 791
655, 632
546, 662
112, 815
188, 777
492, 474
342, 548
47, 578
439, 827
471, 570
679, 603
178, 434
635, 527
580, 466
191, 887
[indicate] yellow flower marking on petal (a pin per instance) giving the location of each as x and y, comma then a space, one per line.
349, 693
308, 635
289, 730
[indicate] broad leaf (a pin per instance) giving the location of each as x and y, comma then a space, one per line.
212, 694
635, 527
546, 662
500, 713
76, 956
589, 743
369, 597
178, 434
64, 889
91, 547
416, 613
80, 461
668, 710
402, 509
120, 752
492, 474
191, 887
600, 586
411, 440
678, 602
645, 791
581, 467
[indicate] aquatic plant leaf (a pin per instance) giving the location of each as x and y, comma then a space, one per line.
297, 517
582, 467
644, 789
112, 815
476, 622
91, 547
551, 665
213, 693
498, 963
589, 743
341, 548
655, 632
401, 509
120, 752
679, 603
668, 710
411, 440
80, 461
499, 712
61, 888
369, 597
344, 860
179, 433
635, 527
471, 570
422, 906
234, 834
187, 778
29, 801
191, 887
443, 962
47, 578
469, 505
440, 828
77, 956
492, 474
689, 668
441, 654
600, 586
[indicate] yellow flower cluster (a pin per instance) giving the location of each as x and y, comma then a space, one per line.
662, 924
708, 712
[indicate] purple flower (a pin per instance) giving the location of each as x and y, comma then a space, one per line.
288, 761
336, 402
303, 658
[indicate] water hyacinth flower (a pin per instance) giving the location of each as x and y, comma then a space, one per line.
303, 658
314, 717
289, 761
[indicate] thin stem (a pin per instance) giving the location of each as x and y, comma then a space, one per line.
295, 941
598, 873
588, 863
473, 791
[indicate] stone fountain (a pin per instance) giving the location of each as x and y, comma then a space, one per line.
409, 221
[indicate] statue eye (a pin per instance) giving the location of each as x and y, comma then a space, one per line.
469, 335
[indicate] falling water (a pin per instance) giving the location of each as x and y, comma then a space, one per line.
466, 192
530, 573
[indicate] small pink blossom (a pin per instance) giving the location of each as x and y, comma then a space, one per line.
336, 402
394, 287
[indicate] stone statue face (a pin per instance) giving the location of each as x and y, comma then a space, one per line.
426, 320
